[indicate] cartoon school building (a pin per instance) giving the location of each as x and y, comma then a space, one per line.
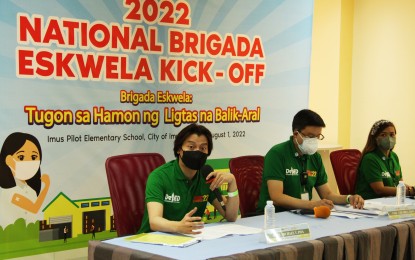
76, 215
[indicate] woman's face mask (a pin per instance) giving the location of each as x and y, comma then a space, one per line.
386, 143
25, 170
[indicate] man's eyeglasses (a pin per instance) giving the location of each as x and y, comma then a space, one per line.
319, 137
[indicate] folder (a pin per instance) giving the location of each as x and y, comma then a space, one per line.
164, 239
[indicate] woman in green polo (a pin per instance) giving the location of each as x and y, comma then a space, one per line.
379, 170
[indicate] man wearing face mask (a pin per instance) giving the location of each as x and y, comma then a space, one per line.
177, 193
379, 170
293, 168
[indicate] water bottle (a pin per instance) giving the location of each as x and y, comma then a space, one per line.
269, 215
400, 193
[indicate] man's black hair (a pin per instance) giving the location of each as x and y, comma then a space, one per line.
306, 117
188, 131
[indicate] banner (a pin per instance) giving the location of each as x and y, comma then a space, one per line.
85, 80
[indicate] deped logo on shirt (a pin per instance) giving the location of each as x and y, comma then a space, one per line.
172, 198
386, 175
292, 172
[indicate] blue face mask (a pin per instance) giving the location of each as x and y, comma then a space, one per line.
386, 143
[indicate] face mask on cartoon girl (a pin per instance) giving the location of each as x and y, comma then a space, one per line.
194, 159
309, 145
387, 142
24, 170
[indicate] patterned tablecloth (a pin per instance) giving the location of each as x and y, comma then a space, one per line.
394, 241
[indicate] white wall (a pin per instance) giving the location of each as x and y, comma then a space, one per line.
324, 71
382, 71
383, 84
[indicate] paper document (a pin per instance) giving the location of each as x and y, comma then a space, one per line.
374, 205
224, 229
350, 212
164, 239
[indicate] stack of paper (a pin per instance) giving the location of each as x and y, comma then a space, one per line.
350, 212
225, 229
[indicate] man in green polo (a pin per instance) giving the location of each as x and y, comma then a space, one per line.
177, 193
293, 168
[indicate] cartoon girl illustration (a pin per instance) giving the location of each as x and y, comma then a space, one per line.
21, 180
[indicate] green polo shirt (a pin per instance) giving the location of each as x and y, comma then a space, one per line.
168, 185
375, 167
283, 163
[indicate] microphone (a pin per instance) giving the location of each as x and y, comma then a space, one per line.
205, 170
322, 212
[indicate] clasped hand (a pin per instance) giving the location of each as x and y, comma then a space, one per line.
324, 202
357, 201
216, 179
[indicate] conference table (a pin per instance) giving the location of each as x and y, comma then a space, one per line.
333, 238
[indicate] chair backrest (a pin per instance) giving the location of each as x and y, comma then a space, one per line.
127, 176
345, 164
248, 174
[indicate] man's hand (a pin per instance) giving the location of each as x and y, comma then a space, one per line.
218, 178
323, 202
191, 225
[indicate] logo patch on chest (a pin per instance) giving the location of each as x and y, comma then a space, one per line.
292, 172
172, 198
386, 175
311, 173
201, 198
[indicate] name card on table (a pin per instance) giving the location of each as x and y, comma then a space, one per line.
399, 212
297, 231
